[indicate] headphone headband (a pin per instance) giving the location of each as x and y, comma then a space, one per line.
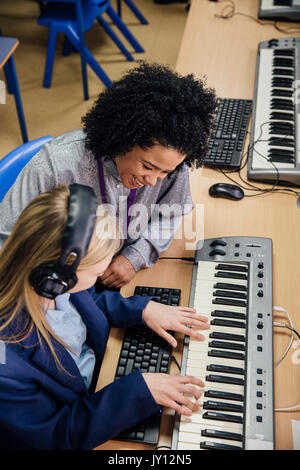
55, 278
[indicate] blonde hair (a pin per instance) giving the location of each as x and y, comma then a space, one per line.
36, 239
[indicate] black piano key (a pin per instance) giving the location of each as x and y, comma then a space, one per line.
223, 395
283, 62
226, 354
281, 142
283, 3
225, 369
226, 345
217, 446
229, 323
226, 285
227, 336
222, 406
279, 92
283, 52
277, 103
232, 302
283, 71
230, 275
281, 152
281, 159
228, 314
232, 267
282, 116
228, 293
222, 417
282, 82
286, 127
233, 436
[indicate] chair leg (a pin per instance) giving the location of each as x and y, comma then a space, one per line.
90, 59
136, 11
67, 47
123, 28
10, 67
8, 80
50, 57
114, 37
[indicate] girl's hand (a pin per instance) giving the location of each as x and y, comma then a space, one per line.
168, 390
160, 318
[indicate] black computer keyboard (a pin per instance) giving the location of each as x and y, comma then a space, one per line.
143, 349
228, 136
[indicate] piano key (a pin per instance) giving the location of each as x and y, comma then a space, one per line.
192, 439
233, 418
226, 345
222, 406
281, 71
224, 379
223, 395
225, 369
225, 354
228, 323
284, 52
225, 293
282, 116
226, 301
230, 275
230, 286
217, 446
204, 418
221, 434
227, 336
228, 314
231, 267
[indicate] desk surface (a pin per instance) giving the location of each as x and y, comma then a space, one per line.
225, 52
7, 48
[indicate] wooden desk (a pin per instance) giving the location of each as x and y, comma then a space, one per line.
225, 51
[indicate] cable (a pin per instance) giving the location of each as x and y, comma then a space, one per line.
231, 13
252, 187
176, 362
281, 309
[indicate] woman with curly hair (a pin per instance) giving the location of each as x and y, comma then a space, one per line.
135, 149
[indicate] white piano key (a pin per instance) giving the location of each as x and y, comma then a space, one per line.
190, 438
199, 419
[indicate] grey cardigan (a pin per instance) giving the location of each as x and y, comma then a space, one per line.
65, 160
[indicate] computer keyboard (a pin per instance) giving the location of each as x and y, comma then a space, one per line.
143, 349
228, 136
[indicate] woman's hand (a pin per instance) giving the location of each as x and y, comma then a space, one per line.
119, 272
168, 390
160, 318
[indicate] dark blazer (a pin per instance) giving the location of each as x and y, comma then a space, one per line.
42, 407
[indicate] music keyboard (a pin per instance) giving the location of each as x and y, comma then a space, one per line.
274, 153
286, 10
232, 286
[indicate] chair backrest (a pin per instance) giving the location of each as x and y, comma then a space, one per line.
12, 164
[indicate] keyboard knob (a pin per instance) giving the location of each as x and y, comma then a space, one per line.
260, 325
260, 293
260, 274
216, 251
218, 242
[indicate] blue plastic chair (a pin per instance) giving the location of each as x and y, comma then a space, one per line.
13, 163
73, 18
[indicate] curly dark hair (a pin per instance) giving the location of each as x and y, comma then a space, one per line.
150, 104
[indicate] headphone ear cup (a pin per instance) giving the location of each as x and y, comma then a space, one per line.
51, 279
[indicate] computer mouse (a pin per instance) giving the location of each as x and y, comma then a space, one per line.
226, 190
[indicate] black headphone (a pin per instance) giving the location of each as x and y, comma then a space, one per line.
55, 278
